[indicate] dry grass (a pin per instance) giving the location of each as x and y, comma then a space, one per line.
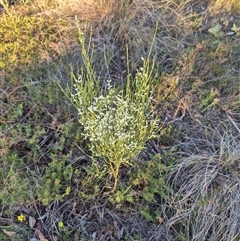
86, 10
206, 188
152, 29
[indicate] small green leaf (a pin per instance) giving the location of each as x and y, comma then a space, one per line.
215, 30
229, 8
68, 190
225, 22
146, 214
235, 28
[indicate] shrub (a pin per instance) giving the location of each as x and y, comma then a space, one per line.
117, 121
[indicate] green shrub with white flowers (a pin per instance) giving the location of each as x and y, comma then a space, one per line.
118, 121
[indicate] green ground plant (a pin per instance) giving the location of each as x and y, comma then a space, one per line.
209, 101
53, 184
15, 32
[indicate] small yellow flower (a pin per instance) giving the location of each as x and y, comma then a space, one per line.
21, 218
60, 224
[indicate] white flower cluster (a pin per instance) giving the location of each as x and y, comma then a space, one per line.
115, 126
